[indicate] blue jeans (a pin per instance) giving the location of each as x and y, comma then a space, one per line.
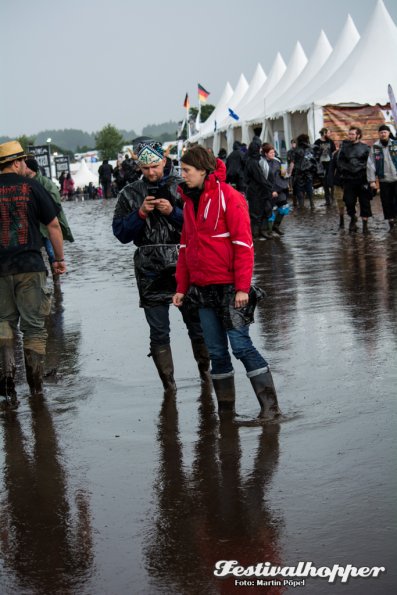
159, 321
216, 338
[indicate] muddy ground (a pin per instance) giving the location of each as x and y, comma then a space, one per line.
105, 489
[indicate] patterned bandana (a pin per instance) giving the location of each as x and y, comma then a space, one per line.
150, 152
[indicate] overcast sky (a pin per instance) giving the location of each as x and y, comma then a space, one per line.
85, 63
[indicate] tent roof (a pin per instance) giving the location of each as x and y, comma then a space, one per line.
319, 56
207, 128
239, 93
363, 77
258, 79
343, 47
84, 176
295, 66
255, 105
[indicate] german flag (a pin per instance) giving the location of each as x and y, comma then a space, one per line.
186, 103
202, 93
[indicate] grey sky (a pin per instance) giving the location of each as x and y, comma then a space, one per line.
85, 63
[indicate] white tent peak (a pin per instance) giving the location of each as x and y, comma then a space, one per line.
258, 79
318, 58
239, 93
255, 106
84, 176
346, 42
351, 84
295, 66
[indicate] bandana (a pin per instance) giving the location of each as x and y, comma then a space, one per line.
150, 152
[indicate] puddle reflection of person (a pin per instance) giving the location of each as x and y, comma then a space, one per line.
215, 512
43, 548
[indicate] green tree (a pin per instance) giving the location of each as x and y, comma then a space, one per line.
25, 141
206, 111
109, 142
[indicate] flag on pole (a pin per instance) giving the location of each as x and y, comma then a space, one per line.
186, 103
232, 114
202, 93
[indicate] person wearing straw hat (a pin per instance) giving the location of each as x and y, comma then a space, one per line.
24, 296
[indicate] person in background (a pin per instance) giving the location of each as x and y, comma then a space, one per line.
335, 182
25, 298
325, 149
33, 171
382, 164
149, 213
105, 172
302, 167
352, 168
68, 187
235, 164
214, 271
258, 193
272, 169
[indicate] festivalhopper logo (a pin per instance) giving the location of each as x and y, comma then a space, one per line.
303, 570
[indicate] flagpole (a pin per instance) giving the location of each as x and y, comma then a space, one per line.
187, 122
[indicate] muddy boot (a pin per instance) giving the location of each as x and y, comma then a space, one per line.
365, 226
341, 222
7, 374
225, 392
265, 391
277, 223
391, 224
34, 365
202, 358
162, 357
353, 224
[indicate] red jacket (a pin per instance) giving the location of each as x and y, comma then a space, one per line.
216, 246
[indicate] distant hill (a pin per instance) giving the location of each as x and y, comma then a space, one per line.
166, 129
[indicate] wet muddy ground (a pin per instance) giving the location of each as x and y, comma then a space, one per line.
105, 489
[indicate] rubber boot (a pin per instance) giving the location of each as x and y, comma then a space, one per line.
7, 374
162, 357
266, 230
391, 224
34, 365
365, 226
202, 358
265, 391
225, 392
311, 199
277, 223
341, 222
352, 224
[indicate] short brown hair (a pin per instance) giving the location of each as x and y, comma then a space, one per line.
199, 158
266, 147
357, 129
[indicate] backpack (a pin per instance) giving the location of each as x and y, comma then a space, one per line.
308, 162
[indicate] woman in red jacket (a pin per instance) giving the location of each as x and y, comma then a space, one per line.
214, 271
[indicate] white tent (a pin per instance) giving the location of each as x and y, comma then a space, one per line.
225, 119
295, 66
363, 77
320, 55
84, 176
343, 48
258, 79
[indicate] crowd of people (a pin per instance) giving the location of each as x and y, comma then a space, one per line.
194, 233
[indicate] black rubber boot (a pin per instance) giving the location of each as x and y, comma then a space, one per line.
341, 222
277, 223
202, 358
7, 374
353, 223
225, 392
266, 230
391, 224
365, 226
34, 365
265, 391
162, 357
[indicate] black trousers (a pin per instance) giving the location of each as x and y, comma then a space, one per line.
388, 197
353, 190
159, 321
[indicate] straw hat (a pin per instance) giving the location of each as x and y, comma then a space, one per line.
11, 151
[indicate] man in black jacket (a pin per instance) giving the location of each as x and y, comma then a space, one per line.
149, 213
235, 164
352, 168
